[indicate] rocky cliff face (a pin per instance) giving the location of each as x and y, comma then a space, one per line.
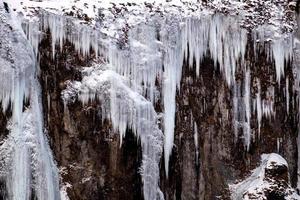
177, 100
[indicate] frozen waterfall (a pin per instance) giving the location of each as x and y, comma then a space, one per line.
141, 66
27, 164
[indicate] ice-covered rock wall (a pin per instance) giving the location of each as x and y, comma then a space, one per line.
140, 52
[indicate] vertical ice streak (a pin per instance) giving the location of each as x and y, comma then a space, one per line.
268, 103
235, 99
242, 108
172, 62
258, 106
247, 101
287, 95
196, 141
45, 171
19, 180
279, 59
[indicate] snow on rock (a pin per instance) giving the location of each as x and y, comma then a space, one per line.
63, 191
270, 180
125, 108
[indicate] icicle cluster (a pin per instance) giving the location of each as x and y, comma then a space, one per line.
220, 36
141, 61
126, 109
154, 57
62, 28
153, 54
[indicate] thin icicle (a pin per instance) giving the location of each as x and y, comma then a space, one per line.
247, 101
258, 107
196, 142
235, 99
287, 95
172, 62
268, 103
282, 50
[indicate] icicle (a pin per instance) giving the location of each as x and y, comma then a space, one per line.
196, 141
247, 127
258, 107
143, 61
279, 59
32, 31
172, 63
279, 141
282, 50
222, 36
19, 181
242, 109
268, 103
287, 95
236, 94
45, 170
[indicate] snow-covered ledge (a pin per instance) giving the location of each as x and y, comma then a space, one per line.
270, 180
